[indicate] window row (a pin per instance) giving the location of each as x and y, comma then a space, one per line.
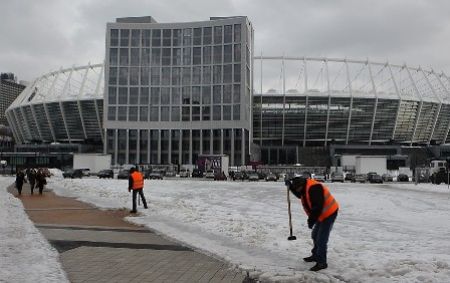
176, 37
217, 94
174, 113
206, 55
175, 146
166, 76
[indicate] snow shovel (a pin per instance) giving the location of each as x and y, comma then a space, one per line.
291, 237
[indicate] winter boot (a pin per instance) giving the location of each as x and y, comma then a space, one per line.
310, 259
319, 266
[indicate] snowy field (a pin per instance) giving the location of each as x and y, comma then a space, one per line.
384, 233
25, 255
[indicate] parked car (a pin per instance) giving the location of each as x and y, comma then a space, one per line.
209, 174
170, 173
184, 173
253, 176
402, 178
376, 179
360, 178
319, 178
337, 177
156, 175
261, 175
107, 173
271, 177
370, 175
86, 172
123, 174
387, 178
220, 176
197, 173
349, 176
73, 173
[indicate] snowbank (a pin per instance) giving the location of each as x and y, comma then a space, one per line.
25, 255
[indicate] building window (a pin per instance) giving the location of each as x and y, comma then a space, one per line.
165, 113
206, 95
165, 95
123, 95
111, 113
133, 113
135, 37
143, 113
227, 112
175, 113
237, 53
112, 95
156, 37
237, 33
236, 112
187, 37
218, 35
207, 35
146, 38
206, 113
124, 37
154, 113
217, 112
154, 96
217, 94
144, 96
167, 36
114, 37
186, 113
177, 37
197, 36
176, 97
122, 115
113, 56
227, 94
218, 54
134, 95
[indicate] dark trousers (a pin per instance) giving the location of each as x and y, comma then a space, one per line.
320, 235
141, 194
41, 188
32, 187
19, 188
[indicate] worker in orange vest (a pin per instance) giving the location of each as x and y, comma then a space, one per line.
136, 183
322, 209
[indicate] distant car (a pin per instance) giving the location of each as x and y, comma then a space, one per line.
155, 176
370, 175
73, 173
402, 178
360, 178
376, 179
319, 178
184, 173
261, 175
123, 174
197, 173
337, 177
349, 176
107, 173
209, 174
238, 176
253, 176
387, 178
86, 172
170, 173
271, 177
220, 176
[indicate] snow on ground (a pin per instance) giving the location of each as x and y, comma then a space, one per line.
25, 255
384, 233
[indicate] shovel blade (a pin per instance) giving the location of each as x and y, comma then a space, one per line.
292, 238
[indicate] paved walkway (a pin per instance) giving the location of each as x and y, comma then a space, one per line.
99, 246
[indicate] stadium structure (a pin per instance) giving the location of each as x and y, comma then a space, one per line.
300, 106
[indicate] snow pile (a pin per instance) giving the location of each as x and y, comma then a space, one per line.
383, 233
25, 255
55, 173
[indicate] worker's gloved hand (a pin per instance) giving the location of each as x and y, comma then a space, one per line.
311, 223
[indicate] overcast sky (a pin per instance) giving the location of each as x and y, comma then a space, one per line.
41, 36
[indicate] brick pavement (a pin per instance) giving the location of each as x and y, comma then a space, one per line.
100, 246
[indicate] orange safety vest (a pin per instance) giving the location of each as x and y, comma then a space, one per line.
138, 180
330, 205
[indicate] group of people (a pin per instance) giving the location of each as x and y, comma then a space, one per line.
36, 179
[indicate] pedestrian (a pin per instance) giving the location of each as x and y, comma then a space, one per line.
20, 178
136, 183
40, 180
322, 210
31, 175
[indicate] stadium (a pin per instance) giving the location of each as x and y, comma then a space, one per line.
310, 103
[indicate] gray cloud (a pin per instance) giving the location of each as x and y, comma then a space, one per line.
41, 36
